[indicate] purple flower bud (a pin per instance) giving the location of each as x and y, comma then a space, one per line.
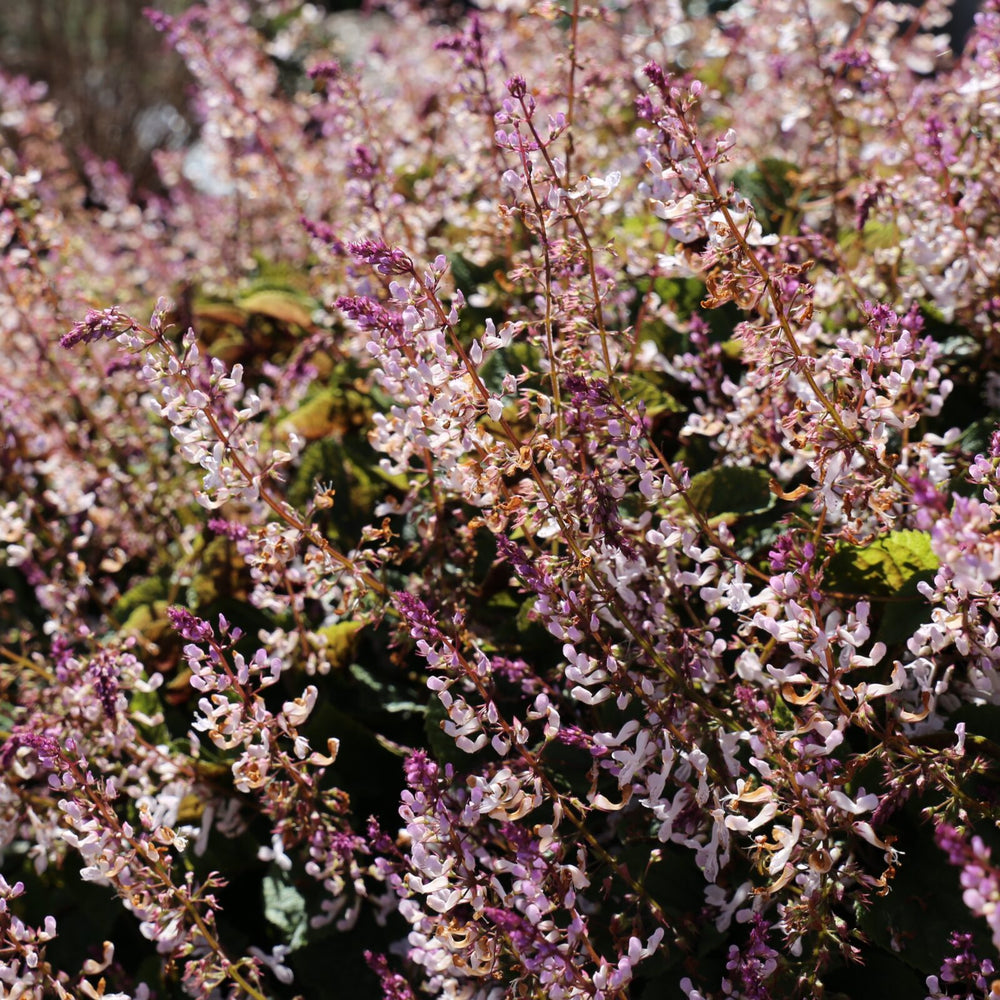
362, 163
98, 324
654, 73
416, 614
519, 562
370, 314
385, 259
46, 748
321, 231
158, 19
188, 625
881, 318
327, 70
421, 772
517, 87
103, 673
394, 986
231, 529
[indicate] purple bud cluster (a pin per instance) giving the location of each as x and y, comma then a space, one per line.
98, 324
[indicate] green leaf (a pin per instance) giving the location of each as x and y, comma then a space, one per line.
285, 908
317, 417
650, 389
878, 235
782, 714
901, 619
341, 642
148, 704
730, 490
286, 307
470, 275
7, 715
149, 621
390, 698
524, 619
145, 592
976, 437
683, 295
923, 905
219, 312
889, 567
351, 467
219, 577
770, 186
513, 359
637, 226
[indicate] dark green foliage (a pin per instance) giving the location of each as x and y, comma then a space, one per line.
730, 490
771, 185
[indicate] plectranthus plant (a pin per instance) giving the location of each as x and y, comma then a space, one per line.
512, 515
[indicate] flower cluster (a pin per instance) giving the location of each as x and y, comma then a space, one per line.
517, 517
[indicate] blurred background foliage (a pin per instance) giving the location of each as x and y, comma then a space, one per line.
122, 92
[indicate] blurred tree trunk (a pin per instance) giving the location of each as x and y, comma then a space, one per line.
121, 92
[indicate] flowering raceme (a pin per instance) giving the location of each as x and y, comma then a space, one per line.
524, 526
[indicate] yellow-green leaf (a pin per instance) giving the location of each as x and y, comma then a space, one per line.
285, 307
887, 567
341, 642
317, 417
